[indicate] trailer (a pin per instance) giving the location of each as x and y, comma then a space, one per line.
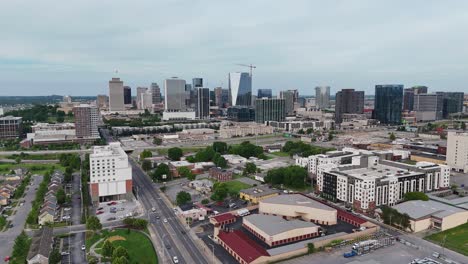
367, 243
350, 254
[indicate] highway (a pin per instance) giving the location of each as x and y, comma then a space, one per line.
172, 232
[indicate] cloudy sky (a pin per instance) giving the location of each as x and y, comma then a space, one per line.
74, 47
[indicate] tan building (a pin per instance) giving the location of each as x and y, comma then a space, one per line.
457, 150
275, 230
299, 206
256, 194
116, 95
432, 214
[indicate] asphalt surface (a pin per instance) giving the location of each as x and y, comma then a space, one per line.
77, 255
172, 232
18, 220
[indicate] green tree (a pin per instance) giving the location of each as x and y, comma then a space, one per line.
220, 147
18, 160
120, 252
145, 154
161, 170
146, 165
61, 196
157, 141
310, 248
183, 197
205, 201
392, 136
107, 249
120, 260
250, 168
186, 172
415, 196
21, 245
175, 153
93, 223
220, 161
330, 136
55, 257
163, 188
60, 119
220, 191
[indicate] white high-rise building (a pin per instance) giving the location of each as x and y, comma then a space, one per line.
140, 91
322, 97
116, 95
240, 88
110, 173
147, 100
174, 94
457, 150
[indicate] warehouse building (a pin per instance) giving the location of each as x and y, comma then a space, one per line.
255, 194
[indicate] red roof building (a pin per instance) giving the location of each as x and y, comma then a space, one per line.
222, 219
241, 247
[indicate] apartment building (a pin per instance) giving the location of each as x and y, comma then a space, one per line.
10, 127
457, 150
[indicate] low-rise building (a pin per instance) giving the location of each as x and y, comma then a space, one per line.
41, 246
190, 213
10, 127
221, 175
222, 219
234, 159
178, 115
230, 130
293, 206
256, 194
275, 230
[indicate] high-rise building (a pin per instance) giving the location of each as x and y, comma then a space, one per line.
241, 113
322, 97
175, 96
457, 150
240, 89
221, 97
147, 100
110, 173
156, 92
10, 127
419, 89
264, 93
388, 103
127, 95
453, 103
348, 101
139, 96
408, 99
268, 109
203, 102
197, 83
102, 101
428, 107
290, 97
86, 121
116, 95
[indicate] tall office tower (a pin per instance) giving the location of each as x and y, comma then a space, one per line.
240, 88
116, 95
156, 92
139, 96
110, 173
453, 103
203, 102
147, 100
197, 83
218, 91
457, 151
428, 107
174, 90
86, 121
388, 103
322, 97
288, 97
348, 101
419, 89
264, 93
127, 95
102, 101
268, 109
408, 99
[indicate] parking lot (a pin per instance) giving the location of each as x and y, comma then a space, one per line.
117, 210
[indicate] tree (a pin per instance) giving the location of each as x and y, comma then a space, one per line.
55, 257
186, 172
146, 165
20, 248
163, 188
250, 168
310, 248
183, 197
205, 201
107, 249
330, 136
120, 260
145, 154
175, 153
220, 147
161, 170
157, 141
18, 160
392, 136
93, 223
219, 161
409, 196
60, 119
61, 196
119, 252
220, 191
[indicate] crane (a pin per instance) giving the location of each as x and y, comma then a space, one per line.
250, 66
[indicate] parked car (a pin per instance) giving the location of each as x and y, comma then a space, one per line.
99, 212
66, 217
65, 253
67, 209
175, 259
165, 220
153, 209
112, 203
7, 258
83, 247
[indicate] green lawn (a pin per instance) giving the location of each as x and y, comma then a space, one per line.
33, 168
236, 186
36, 156
138, 245
280, 154
456, 239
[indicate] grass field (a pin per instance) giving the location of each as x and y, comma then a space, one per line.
280, 154
455, 239
36, 157
236, 186
33, 168
138, 245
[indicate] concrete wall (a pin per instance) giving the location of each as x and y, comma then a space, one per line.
454, 220
306, 213
420, 225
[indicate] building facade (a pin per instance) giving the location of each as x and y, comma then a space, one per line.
453, 103
268, 109
457, 150
388, 103
127, 95
264, 93
110, 173
322, 97
116, 95
102, 101
240, 87
203, 102
174, 94
86, 121
10, 127
156, 93
220, 175
348, 101
428, 107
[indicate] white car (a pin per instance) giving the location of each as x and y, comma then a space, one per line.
67, 208
165, 220
153, 209
67, 217
83, 247
175, 259
65, 253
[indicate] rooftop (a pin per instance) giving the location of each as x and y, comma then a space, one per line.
259, 191
297, 200
375, 172
418, 209
242, 245
113, 149
42, 243
274, 225
224, 217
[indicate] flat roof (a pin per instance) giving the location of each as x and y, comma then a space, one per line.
376, 172
259, 191
224, 217
297, 200
418, 209
274, 225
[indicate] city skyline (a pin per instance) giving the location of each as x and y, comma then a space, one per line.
46, 58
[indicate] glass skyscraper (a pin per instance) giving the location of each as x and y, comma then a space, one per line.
388, 103
240, 88
268, 109
262, 93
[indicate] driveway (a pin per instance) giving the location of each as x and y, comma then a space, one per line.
7, 238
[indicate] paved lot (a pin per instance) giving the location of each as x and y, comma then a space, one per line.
124, 208
459, 178
7, 238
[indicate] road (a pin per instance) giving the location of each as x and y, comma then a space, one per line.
7, 238
17, 152
77, 255
172, 232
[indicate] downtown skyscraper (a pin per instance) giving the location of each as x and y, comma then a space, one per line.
388, 103
174, 94
116, 95
348, 101
240, 89
322, 97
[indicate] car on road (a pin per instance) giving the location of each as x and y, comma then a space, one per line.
7, 258
112, 203
99, 212
153, 209
65, 253
168, 246
175, 259
66, 217
113, 210
157, 217
165, 220
83, 247
67, 209
10, 226
111, 219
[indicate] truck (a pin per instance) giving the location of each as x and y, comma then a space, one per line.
367, 243
350, 254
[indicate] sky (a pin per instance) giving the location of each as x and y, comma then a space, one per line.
75, 47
